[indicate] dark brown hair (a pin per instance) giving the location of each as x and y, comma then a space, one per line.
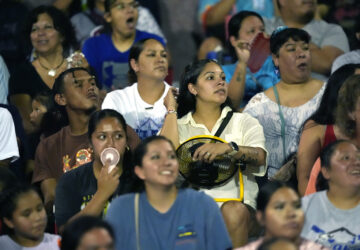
348, 96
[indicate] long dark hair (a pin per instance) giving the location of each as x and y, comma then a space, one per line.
96, 118
187, 101
349, 94
61, 23
267, 191
325, 112
235, 25
9, 199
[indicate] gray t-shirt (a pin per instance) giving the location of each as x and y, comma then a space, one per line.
347, 58
50, 242
322, 34
330, 226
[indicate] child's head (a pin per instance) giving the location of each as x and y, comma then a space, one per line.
22, 212
41, 103
121, 17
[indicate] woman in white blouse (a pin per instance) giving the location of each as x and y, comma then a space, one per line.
200, 108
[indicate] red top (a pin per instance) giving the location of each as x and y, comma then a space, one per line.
329, 136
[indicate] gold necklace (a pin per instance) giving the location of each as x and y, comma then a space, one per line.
51, 72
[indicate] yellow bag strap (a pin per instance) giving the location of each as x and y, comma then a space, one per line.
241, 187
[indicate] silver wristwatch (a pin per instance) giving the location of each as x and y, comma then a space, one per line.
235, 148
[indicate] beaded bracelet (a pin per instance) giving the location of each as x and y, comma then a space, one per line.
171, 111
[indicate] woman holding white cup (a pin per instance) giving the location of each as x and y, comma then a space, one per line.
89, 188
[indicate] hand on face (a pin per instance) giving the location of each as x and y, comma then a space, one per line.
242, 51
209, 151
251, 26
107, 182
109, 133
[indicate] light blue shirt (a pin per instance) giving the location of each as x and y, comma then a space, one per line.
264, 8
4, 82
254, 82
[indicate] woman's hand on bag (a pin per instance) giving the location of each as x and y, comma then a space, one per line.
209, 151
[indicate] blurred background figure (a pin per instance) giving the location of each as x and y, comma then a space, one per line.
49, 39
338, 198
214, 16
328, 40
91, 21
108, 53
70, 7
12, 16
23, 214
279, 212
345, 125
354, 55
243, 27
88, 232
277, 243
344, 13
320, 128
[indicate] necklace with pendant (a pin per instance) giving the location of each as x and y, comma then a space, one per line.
51, 72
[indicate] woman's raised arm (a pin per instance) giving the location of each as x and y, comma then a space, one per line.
170, 127
308, 151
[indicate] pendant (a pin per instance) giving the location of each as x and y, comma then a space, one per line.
52, 72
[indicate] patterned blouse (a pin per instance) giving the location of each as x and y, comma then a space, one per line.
266, 112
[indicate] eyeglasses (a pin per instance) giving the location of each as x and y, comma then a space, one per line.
122, 6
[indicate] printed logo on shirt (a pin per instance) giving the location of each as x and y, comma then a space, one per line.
349, 240
148, 127
82, 156
185, 235
87, 198
115, 74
